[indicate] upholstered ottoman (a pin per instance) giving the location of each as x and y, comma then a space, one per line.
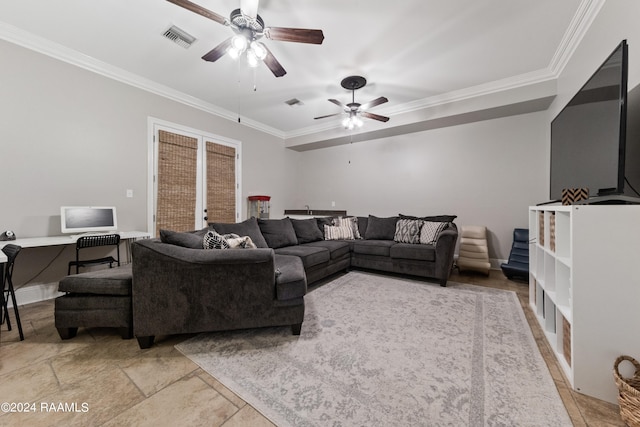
100, 298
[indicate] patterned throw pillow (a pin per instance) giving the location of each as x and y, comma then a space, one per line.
408, 231
350, 221
338, 232
430, 232
213, 240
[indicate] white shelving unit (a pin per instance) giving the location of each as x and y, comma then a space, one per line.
584, 287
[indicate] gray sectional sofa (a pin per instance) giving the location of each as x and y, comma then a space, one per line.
180, 288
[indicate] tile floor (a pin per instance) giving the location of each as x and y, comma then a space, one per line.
98, 379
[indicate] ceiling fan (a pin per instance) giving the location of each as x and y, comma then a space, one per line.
354, 109
249, 27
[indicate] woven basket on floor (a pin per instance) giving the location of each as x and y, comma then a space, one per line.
628, 392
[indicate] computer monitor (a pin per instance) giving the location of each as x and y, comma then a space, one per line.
87, 219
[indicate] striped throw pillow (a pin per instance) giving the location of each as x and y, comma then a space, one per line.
338, 232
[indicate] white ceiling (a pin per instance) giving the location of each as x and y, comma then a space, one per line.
408, 50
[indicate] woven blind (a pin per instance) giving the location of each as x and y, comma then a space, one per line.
177, 167
221, 182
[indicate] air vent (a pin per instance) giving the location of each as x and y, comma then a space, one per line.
179, 37
294, 102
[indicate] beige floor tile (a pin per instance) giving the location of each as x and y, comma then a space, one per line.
90, 403
248, 416
220, 388
82, 364
188, 402
158, 367
29, 383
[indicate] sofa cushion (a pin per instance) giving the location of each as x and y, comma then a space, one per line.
380, 228
291, 281
306, 230
412, 251
184, 239
248, 227
363, 221
108, 281
278, 232
408, 231
336, 248
430, 231
373, 247
309, 255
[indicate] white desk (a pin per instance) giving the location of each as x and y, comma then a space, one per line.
36, 242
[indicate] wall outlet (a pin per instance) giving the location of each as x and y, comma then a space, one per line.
129, 193
333, 204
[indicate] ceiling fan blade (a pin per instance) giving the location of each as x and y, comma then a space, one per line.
373, 103
296, 35
374, 116
273, 64
328, 115
249, 8
339, 104
218, 51
200, 11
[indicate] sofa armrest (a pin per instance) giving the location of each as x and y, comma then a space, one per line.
445, 249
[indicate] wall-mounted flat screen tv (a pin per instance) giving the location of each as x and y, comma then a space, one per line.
87, 219
588, 135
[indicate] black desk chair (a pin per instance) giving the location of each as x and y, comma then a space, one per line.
11, 251
518, 264
93, 241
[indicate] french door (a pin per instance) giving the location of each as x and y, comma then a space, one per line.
195, 178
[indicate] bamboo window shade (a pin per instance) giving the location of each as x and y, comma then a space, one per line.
177, 168
221, 182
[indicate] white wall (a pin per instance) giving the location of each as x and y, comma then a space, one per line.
69, 136
487, 173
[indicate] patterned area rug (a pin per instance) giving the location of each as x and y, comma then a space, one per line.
387, 351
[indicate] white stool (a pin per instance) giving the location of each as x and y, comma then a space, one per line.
474, 253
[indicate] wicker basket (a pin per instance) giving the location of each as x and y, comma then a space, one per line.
628, 392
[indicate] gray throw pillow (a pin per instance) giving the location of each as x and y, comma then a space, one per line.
322, 221
277, 233
184, 239
306, 230
248, 227
380, 228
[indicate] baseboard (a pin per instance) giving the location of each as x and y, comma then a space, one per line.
36, 293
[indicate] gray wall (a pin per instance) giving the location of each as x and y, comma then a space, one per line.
68, 136
72, 137
487, 173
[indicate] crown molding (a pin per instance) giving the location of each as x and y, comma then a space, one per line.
41, 45
585, 15
580, 23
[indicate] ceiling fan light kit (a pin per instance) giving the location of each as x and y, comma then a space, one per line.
249, 27
353, 109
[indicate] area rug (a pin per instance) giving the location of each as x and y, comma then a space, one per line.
388, 351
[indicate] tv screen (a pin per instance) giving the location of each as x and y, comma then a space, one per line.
588, 135
84, 219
